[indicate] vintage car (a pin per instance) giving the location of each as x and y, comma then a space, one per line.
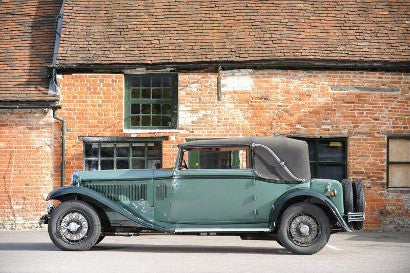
254, 187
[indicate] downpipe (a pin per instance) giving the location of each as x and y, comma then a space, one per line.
56, 117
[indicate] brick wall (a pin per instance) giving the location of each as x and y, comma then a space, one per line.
26, 166
365, 106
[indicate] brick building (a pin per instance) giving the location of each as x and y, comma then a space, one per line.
136, 78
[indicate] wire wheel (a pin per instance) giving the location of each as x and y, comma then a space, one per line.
303, 230
73, 227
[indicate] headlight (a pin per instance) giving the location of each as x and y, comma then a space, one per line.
75, 179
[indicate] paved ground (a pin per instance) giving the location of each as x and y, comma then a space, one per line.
32, 251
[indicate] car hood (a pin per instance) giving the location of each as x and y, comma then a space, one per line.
116, 175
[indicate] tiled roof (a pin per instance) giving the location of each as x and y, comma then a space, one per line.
166, 31
26, 48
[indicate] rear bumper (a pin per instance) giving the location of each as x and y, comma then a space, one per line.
355, 217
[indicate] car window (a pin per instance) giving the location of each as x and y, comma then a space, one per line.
217, 158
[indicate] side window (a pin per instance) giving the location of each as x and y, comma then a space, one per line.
217, 158
398, 162
122, 155
327, 157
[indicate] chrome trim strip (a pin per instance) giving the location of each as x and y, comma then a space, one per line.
178, 230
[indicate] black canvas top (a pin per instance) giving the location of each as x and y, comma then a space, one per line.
276, 158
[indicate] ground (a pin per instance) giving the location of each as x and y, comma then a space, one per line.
32, 251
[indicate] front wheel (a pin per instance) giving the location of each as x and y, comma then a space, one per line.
304, 229
74, 225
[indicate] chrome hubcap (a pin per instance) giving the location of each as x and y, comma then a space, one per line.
303, 230
73, 227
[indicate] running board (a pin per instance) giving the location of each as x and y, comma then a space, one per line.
201, 230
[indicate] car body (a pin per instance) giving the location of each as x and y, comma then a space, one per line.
247, 187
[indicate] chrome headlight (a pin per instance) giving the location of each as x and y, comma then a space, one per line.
75, 179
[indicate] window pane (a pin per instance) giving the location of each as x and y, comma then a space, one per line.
399, 150
146, 121
331, 151
107, 164
154, 164
156, 93
399, 175
156, 81
138, 149
156, 108
135, 82
91, 149
146, 93
107, 150
123, 150
154, 149
135, 109
156, 121
166, 109
146, 109
167, 81
138, 163
167, 93
312, 149
331, 172
135, 93
220, 158
123, 164
146, 81
135, 121
166, 121
91, 165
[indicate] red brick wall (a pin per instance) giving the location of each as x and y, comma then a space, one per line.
265, 102
26, 166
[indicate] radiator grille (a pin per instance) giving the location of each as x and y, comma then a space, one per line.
120, 192
161, 192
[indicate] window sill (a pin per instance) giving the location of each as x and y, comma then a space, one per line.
141, 131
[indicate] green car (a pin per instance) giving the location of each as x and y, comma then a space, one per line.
255, 188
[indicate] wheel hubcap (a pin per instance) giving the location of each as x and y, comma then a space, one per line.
73, 227
303, 230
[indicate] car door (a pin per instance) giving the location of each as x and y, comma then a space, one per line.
204, 196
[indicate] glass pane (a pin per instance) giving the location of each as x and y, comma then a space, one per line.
135, 109
146, 81
146, 93
399, 175
154, 164
91, 149
154, 149
331, 172
167, 93
91, 165
156, 93
331, 151
166, 109
107, 164
138, 149
146, 108
123, 150
138, 163
123, 164
135, 93
156, 108
312, 170
156, 121
166, 81
107, 150
146, 121
312, 150
166, 121
135, 82
399, 150
156, 81
135, 121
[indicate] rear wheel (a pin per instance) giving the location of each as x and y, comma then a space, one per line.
304, 229
74, 225
358, 202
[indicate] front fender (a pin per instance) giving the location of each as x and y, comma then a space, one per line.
98, 198
282, 202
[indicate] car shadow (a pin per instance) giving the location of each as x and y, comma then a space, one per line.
189, 249
382, 237
151, 248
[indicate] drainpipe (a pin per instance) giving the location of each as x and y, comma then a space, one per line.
62, 145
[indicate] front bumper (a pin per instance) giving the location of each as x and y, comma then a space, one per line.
46, 217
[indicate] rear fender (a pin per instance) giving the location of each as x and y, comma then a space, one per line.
301, 194
99, 199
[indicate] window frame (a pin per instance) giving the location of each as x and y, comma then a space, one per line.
128, 100
115, 141
388, 162
317, 162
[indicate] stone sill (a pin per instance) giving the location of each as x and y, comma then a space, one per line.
142, 131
